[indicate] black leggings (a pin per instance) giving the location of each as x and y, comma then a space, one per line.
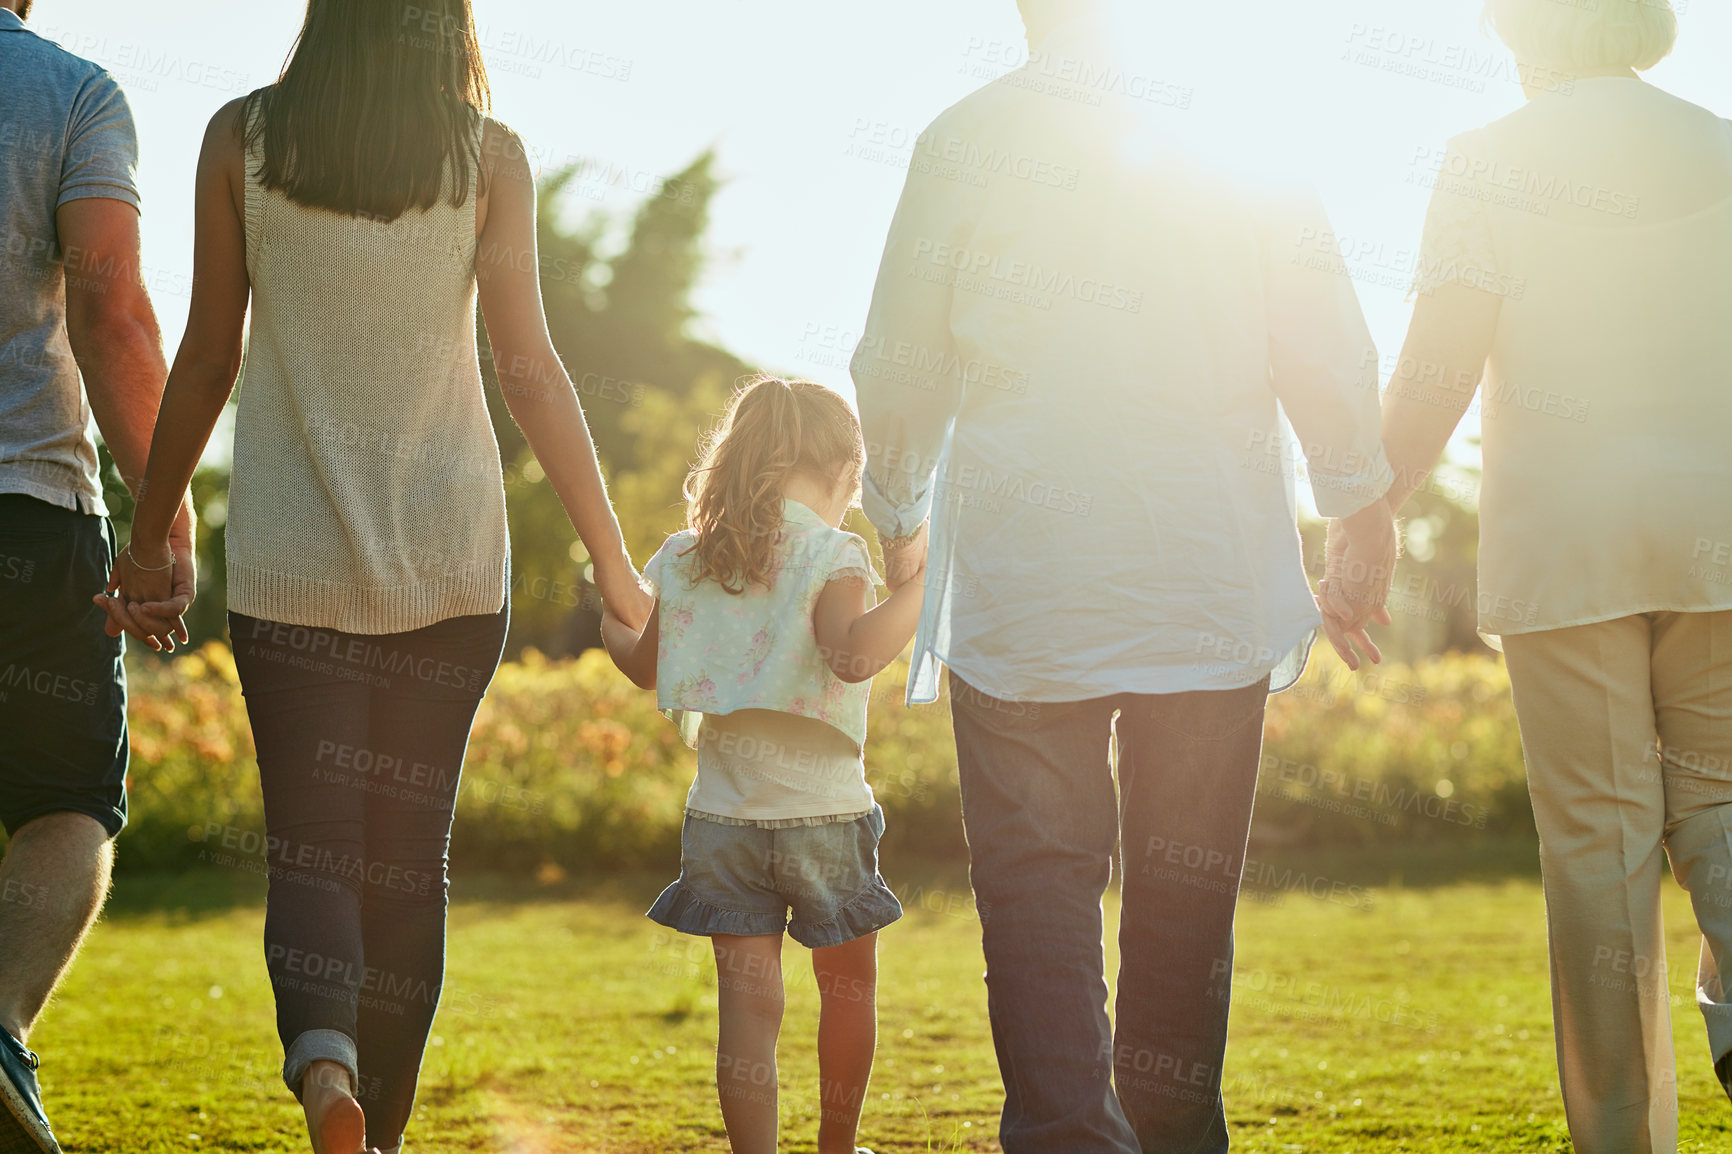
360, 744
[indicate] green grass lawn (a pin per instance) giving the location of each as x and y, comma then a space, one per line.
1413, 1017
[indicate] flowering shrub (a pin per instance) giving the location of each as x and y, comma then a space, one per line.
571, 768
1393, 753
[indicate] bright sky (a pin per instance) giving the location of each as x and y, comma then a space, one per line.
813, 104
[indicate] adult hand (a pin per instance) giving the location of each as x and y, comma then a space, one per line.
145, 597
616, 635
1359, 566
623, 595
1352, 642
170, 614
907, 561
916, 578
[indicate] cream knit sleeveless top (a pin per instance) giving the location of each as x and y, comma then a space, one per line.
366, 494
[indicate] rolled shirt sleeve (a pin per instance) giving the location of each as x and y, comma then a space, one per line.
1322, 360
906, 373
101, 158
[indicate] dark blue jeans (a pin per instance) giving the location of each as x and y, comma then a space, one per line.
1042, 821
360, 741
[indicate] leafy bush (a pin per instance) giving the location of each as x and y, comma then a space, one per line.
570, 768
1396, 754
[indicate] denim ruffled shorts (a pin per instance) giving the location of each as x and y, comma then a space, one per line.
748, 880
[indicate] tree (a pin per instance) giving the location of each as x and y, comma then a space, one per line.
620, 326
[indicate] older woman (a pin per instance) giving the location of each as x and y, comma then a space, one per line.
1578, 263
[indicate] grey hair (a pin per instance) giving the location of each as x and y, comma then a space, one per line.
1586, 35
1057, 11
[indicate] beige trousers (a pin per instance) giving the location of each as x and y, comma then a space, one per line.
1627, 730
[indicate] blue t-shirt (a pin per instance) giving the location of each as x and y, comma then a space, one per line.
66, 133
722, 652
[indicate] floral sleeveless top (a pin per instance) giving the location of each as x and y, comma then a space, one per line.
721, 652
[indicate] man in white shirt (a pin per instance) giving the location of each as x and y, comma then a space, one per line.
1079, 349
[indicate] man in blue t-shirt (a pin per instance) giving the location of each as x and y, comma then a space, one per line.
79, 347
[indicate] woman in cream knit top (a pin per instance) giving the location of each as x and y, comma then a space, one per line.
367, 492
363, 219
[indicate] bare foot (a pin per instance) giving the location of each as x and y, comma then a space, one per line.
334, 1118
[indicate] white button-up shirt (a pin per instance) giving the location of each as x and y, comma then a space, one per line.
1080, 346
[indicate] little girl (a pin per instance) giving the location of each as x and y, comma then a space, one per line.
762, 646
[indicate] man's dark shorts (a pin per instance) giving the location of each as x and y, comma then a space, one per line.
62, 686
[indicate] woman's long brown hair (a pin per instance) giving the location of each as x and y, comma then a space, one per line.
377, 102
773, 429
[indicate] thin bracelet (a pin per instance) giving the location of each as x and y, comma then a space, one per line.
893, 544
142, 567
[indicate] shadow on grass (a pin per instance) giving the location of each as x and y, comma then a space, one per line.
1413, 867
205, 891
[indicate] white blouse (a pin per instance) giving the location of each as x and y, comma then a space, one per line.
1602, 219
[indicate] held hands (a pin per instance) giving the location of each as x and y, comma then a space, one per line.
149, 591
616, 636
622, 596
915, 579
633, 645
905, 558
1359, 566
